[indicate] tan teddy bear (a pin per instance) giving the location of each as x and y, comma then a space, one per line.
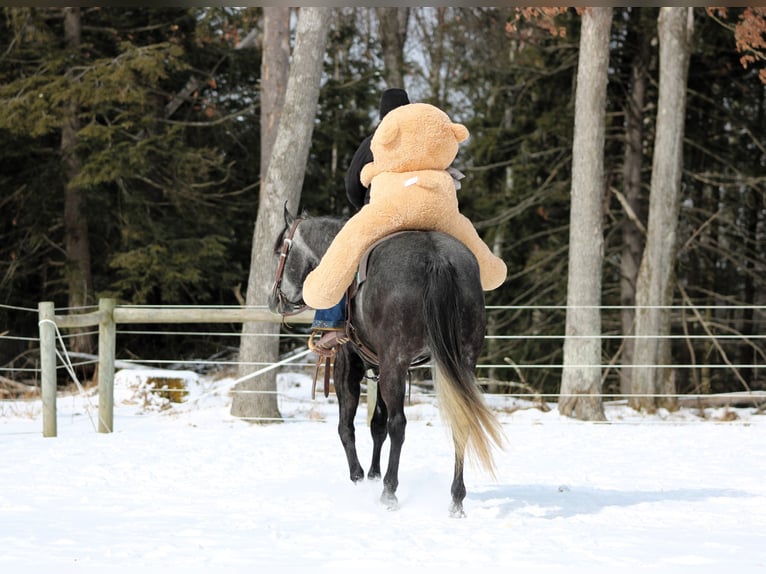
410, 189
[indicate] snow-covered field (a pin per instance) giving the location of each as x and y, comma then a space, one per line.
187, 487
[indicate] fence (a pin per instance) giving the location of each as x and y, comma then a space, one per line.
109, 315
106, 318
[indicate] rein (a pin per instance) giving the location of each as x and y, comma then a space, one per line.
285, 307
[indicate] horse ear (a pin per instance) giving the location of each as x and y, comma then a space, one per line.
289, 217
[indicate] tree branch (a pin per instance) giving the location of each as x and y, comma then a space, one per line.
628, 210
715, 342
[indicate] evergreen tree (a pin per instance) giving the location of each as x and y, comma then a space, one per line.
168, 146
156, 194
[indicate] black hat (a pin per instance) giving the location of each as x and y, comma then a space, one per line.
392, 98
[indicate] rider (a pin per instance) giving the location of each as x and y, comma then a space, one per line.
358, 195
331, 323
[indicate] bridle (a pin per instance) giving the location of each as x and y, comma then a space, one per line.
284, 306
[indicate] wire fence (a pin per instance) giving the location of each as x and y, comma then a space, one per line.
505, 378
232, 337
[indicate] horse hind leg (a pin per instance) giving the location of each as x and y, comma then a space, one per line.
347, 376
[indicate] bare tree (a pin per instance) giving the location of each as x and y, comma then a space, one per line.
275, 66
581, 378
655, 284
77, 244
632, 226
393, 35
283, 182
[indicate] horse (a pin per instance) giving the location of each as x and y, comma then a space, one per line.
422, 297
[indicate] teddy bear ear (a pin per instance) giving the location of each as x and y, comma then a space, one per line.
386, 133
460, 131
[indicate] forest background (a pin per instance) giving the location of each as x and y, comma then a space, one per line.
130, 166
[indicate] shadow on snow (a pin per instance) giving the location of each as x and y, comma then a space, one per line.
548, 501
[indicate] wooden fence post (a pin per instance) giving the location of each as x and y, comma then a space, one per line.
47, 328
107, 334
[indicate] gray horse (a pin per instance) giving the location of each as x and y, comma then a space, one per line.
422, 297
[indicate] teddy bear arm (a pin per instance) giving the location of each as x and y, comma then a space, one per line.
327, 283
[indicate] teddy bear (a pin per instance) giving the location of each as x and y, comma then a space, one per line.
410, 189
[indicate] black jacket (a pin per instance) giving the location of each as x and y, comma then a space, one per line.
357, 194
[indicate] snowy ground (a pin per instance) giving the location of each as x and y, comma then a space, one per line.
190, 488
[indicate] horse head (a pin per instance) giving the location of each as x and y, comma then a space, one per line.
298, 250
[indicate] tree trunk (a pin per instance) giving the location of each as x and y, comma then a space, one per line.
436, 52
283, 182
632, 236
76, 243
393, 35
754, 218
581, 378
654, 289
493, 345
275, 67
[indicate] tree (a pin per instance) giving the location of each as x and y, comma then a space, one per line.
76, 240
275, 66
632, 224
393, 35
581, 378
655, 284
93, 122
750, 35
170, 168
517, 83
283, 183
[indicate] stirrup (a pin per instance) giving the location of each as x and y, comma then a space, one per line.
325, 348
326, 342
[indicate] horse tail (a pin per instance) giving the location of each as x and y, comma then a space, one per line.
474, 426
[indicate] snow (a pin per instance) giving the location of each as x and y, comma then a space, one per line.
189, 487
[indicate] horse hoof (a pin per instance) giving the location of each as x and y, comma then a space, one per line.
373, 475
357, 476
389, 501
456, 511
